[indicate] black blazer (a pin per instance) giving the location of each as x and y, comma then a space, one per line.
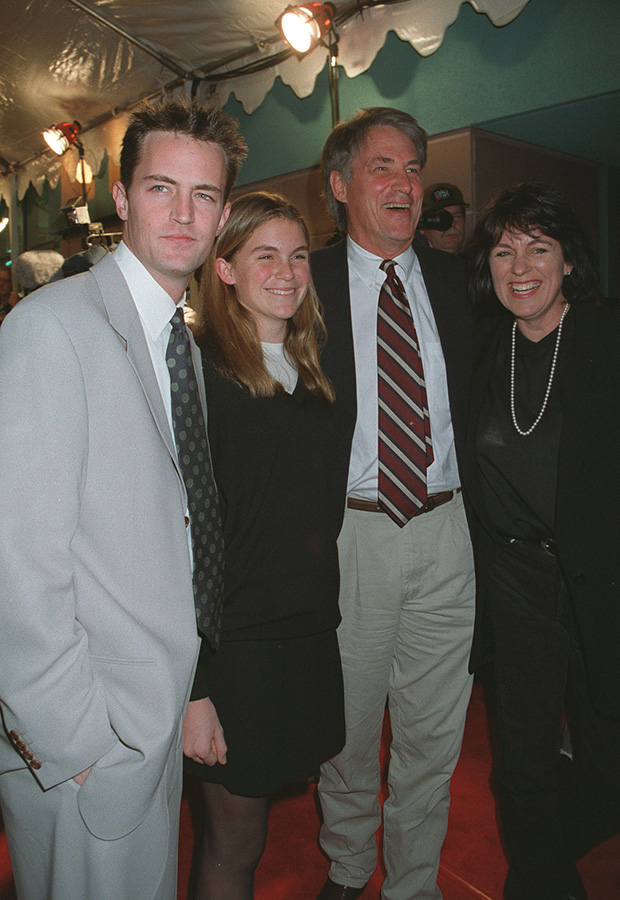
445, 279
587, 530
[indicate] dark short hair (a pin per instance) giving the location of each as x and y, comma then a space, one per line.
204, 123
532, 207
345, 140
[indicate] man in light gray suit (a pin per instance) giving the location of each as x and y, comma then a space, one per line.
98, 639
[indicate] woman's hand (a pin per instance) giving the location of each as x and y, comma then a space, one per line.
203, 736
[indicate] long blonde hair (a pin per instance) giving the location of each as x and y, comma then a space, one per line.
226, 330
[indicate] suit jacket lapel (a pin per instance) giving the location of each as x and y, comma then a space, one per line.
124, 319
584, 370
454, 326
331, 277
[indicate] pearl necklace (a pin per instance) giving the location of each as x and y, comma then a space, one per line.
549, 383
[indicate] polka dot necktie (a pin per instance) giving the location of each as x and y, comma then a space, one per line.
202, 500
405, 445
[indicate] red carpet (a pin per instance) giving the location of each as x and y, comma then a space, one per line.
473, 866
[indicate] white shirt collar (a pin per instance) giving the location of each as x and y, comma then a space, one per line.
367, 264
155, 305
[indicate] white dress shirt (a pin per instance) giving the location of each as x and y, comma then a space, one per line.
365, 281
155, 307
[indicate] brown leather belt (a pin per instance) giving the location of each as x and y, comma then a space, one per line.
433, 502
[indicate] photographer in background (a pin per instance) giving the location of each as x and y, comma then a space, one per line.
442, 222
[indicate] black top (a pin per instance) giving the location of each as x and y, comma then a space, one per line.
520, 472
274, 464
587, 517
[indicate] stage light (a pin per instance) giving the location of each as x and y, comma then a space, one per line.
306, 26
83, 172
60, 137
4, 221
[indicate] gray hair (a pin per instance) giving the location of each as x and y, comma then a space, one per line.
343, 144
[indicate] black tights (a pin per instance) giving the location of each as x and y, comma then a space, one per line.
235, 831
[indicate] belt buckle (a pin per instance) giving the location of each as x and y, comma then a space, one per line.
429, 505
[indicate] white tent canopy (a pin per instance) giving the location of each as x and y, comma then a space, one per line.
91, 60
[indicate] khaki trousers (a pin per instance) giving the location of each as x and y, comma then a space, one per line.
407, 604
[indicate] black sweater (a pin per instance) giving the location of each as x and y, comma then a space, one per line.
274, 464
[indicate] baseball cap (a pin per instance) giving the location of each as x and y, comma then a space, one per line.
442, 194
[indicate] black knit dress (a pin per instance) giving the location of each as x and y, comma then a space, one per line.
275, 681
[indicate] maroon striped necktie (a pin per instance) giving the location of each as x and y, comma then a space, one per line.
405, 445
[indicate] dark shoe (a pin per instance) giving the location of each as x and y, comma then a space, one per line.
575, 893
333, 891
570, 887
575, 890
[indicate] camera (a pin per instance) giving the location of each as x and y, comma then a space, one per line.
437, 219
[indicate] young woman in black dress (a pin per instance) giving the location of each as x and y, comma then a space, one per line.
268, 707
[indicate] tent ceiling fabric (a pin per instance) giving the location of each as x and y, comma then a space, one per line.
59, 63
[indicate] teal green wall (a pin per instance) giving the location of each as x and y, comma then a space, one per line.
34, 220
37, 216
555, 52
100, 202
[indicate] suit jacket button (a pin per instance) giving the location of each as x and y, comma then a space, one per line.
579, 578
20, 745
35, 764
28, 755
187, 521
14, 736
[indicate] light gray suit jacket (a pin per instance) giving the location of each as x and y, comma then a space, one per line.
98, 639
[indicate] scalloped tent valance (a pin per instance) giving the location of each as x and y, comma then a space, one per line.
91, 60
